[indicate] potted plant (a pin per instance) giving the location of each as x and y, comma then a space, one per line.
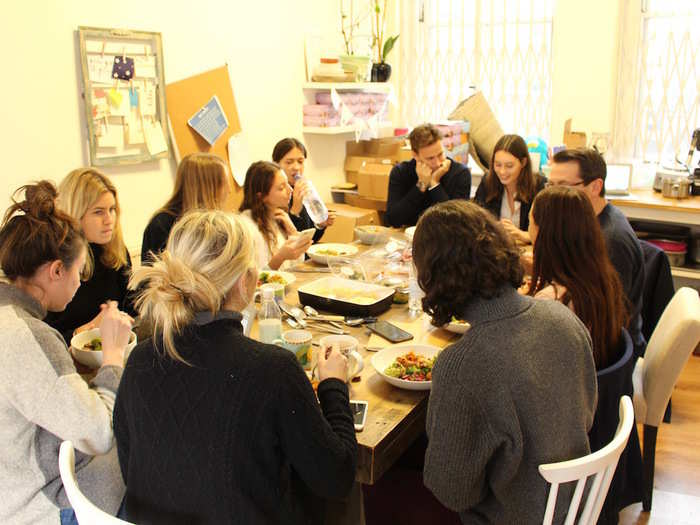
381, 71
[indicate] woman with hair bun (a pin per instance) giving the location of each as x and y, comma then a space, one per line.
214, 427
202, 182
43, 399
91, 199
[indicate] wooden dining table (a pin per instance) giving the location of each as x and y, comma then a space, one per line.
396, 417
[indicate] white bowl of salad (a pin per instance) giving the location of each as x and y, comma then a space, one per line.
407, 366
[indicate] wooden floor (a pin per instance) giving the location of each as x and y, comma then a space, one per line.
676, 498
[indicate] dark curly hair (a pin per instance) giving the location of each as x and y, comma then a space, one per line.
462, 253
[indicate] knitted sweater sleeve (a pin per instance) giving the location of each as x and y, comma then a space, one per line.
467, 456
319, 443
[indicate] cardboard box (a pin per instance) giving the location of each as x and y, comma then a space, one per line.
354, 199
353, 163
373, 180
573, 139
347, 218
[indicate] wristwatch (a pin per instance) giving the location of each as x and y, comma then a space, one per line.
422, 186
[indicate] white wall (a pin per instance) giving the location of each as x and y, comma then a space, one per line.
43, 133
584, 77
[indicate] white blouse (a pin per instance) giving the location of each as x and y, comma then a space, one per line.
263, 251
505, 209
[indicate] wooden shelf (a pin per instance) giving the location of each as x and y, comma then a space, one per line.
376, 87
685, 272
337, 130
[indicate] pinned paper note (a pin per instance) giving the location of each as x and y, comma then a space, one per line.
123, 68
210, 121
147, 100
100, 68
115, 97
134, 132
145, 66
238, 157
113, 137
123, 109
155, 139
133, 97
100, 108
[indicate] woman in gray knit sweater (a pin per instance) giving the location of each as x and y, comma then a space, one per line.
517, 390
43, 399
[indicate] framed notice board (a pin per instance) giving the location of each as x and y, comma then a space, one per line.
124, 92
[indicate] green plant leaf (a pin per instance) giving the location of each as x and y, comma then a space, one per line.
388, 46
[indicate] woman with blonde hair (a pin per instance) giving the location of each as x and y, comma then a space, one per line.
266, 194
90, 198
202, 181
214, 427
43, 399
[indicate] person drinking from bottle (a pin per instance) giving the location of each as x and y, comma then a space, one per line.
290, 154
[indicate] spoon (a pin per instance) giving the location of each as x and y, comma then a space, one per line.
294, 312
291, 322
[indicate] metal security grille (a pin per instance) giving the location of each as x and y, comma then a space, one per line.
658, 94
501, 47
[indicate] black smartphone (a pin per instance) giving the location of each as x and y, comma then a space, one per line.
389, 331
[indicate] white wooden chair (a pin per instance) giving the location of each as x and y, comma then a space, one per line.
676, 335
601, 463
85, 511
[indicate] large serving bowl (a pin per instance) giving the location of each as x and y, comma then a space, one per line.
93, 358
372, 234
382, 359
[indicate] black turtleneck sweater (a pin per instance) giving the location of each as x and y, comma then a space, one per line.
236, 436
104, 284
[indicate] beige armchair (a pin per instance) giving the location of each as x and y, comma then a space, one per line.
674, 338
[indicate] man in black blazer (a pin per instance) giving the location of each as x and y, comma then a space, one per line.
429, 178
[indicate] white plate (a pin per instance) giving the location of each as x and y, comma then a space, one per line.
457, 328
382, 359
93, 358
343, 250
409, 232
288, 277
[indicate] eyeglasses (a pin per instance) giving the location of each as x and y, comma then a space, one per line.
550, 184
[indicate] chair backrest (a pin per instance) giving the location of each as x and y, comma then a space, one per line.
600, 464
85, 511
676, 335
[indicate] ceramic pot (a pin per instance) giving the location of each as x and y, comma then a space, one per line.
381, 72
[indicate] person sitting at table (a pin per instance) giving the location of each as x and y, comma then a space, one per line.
290, 154
430, 177
202, 181
265, 199
43, 399
241, 436
586, 168
90, 198
510, 185
517, 390
563, 226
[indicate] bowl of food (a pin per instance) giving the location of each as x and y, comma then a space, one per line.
279, 280
371, 234
408, 366
324, 252
86, 347
457, 326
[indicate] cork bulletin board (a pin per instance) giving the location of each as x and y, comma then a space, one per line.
185, 98
123, 89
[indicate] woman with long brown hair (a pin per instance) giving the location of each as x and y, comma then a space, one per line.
509, 187
266, 195
571, 265
202, 182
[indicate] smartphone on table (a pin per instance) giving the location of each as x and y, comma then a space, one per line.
359, 413
389, 331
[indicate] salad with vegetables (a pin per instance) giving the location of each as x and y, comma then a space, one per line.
411, 367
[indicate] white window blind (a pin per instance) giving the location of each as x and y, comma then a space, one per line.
501, 47
658, 92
